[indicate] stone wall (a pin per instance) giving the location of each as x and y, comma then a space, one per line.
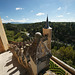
3, 38
1, 46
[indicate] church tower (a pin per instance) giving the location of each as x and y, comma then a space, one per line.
3, 38
47, 31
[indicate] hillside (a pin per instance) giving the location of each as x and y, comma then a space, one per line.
61, 31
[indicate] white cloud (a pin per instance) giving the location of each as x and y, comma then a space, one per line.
6, 16
2, 19
68, 13
63, 20
13, 20
59, 8
19, 8
60, 16
31, 11
39, 14
36, 20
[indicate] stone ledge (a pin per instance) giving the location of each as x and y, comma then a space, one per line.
64, 65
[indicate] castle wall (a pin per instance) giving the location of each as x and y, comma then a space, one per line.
41, 66
33, 66
1, 46
3, 37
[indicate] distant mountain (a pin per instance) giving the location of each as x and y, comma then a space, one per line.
18, 23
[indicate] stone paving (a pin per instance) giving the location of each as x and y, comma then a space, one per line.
9, 65
48, 72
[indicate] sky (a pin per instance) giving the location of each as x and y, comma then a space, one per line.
31, 11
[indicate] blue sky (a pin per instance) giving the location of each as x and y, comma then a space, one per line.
37, 10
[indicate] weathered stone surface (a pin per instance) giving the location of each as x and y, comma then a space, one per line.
10, 66
35, 56
49, 73
3, 39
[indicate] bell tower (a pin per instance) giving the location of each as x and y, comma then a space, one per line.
47, 31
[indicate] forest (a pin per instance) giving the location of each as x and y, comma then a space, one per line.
61, 31
63, 36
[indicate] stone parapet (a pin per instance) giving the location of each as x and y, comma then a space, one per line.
64, 65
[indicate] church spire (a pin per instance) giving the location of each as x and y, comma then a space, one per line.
47, 23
